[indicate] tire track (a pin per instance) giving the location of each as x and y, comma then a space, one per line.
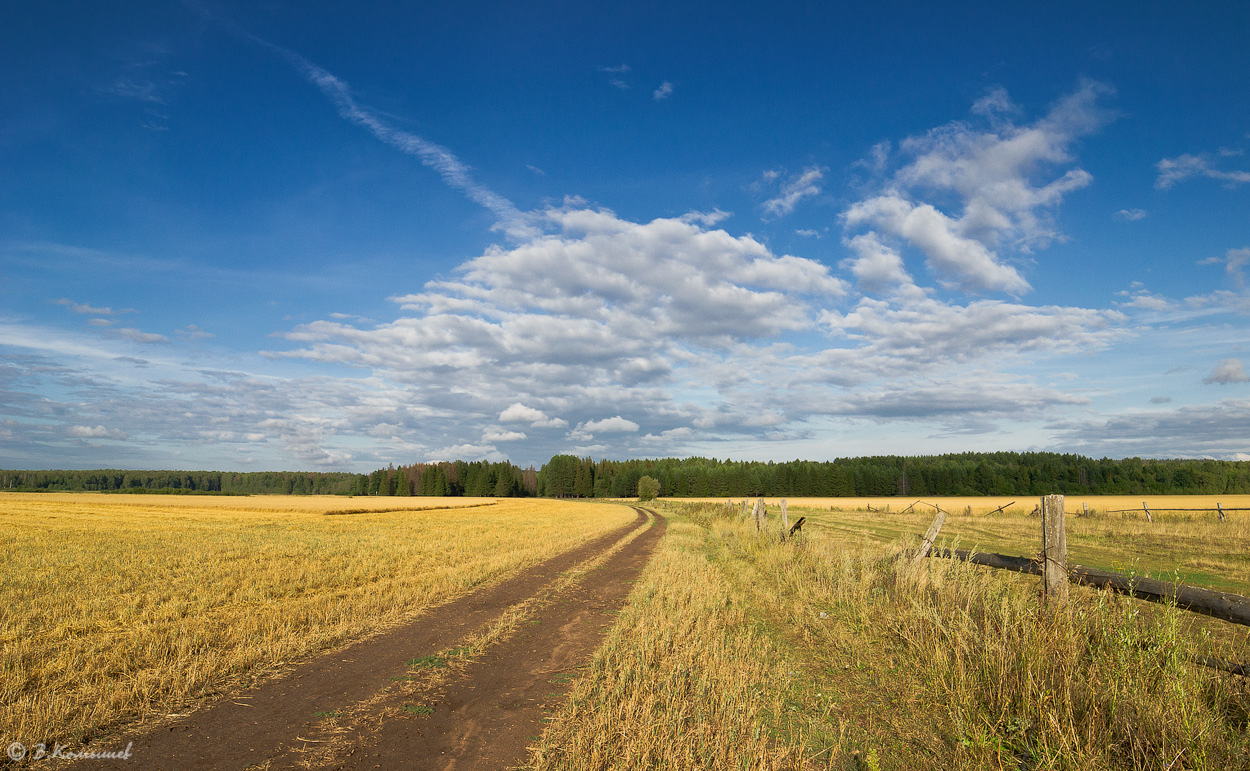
259, 726
488, 717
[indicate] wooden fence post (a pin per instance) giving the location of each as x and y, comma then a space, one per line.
785, 517
1146, 509
1085, 508
759, 511
1054, 550
1220, 509
930, 536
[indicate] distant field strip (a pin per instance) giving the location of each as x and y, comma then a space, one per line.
119, 609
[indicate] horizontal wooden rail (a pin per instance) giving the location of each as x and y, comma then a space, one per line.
1209, 508
1233, 608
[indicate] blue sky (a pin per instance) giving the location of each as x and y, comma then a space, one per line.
320, 236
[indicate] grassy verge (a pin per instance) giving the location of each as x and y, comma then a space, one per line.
738, 651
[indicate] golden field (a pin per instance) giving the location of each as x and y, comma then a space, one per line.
120, 609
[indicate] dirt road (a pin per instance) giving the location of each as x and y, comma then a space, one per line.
353, 708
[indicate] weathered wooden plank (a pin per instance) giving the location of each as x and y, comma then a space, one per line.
930, 536
1225, 606
1054, 550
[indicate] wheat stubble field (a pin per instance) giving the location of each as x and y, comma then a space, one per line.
731, 650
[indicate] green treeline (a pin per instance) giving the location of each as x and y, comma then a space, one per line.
568, 476
202, 482
499, 480
480, 479
996, 473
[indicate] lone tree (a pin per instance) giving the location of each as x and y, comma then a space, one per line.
648, 488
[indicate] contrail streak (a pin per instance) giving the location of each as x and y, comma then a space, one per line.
512, 221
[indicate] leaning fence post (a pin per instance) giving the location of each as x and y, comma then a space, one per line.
930, 536
1054, 550
1146, 509
1220, 509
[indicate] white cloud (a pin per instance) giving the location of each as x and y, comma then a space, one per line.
1131, 215
663, 92
193, 332
1226, 372
499, 435
966, 262
803, 185
519, 413
138, 336
1182, 167
510, 220
91, 310
609, 425
996, 176
1235, 262
876, 266
98, 432
1218, 430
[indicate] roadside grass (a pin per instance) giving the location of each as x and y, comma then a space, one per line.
1189, 547
687, 678
124, 610
737, 651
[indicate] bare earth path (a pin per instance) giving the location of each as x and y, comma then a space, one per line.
484, 719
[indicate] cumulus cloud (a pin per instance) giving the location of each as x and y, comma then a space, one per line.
519, 413
664, 91
608, 425
995, 177
499, 435
1226, 372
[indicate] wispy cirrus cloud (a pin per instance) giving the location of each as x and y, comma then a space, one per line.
1182, 167
805, 184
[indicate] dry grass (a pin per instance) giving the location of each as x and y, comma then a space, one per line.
1190, 547
687, 679
738, 651
116, 610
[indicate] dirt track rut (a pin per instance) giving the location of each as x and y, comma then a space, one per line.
482, 719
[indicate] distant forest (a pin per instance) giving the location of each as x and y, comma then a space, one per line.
566, 476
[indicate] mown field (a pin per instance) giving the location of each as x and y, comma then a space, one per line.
118, 610
734, 651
